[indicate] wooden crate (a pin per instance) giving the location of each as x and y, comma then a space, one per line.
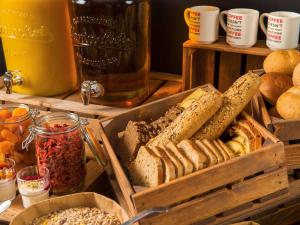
207, 195
288, 131
219, 63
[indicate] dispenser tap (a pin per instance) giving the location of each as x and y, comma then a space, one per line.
10, 78
91, 89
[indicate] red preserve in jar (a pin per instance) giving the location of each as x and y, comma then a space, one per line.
60, 148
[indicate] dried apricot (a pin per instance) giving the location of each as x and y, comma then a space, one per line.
12, 127
17, 112
9, 136
6, 147
4, 114
2, 157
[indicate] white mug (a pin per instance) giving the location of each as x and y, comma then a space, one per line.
203, 23
242, 25
283, 29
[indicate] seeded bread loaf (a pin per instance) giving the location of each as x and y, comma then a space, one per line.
146, 169
190, 120
234, 101
187, 164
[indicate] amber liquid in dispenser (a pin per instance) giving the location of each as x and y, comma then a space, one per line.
111, 42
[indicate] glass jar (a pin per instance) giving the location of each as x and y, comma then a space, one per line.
15, 120
111, 40
59, 147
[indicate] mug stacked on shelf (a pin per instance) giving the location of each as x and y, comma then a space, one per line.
282, 30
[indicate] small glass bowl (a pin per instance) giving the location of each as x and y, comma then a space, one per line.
7, 180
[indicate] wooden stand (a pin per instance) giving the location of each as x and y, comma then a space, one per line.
218, 63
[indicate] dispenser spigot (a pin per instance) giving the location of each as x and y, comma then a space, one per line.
10, 78
91, 89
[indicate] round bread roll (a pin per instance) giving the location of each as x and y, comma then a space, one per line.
288, 104
282, 61
296, 75
273, 85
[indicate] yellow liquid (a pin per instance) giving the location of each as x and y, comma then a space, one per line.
36, 38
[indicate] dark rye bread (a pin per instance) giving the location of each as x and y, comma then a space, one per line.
137, 134
147, 169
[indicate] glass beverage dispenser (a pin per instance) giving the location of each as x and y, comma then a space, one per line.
37, 44
111, 43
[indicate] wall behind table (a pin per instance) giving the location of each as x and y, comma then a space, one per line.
169, 30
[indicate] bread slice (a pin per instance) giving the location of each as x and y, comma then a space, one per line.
236, 147
187, 164
219, 156
226, 149
146, 169
212, 159
221, 150
178, 165
197, 157
234, 101
255, 133
248, 137
168, 166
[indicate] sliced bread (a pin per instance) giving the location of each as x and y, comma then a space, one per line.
221, 150
197, 157
146, 169
236, 147
250, 127
212, 159
168, 165
248, 138
225, 148
187, 164
178, 164
219, 156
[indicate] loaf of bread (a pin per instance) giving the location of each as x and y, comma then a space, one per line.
288, 104
282, 61
190, 120
235, 100
273, 85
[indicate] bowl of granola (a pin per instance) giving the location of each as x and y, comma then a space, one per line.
76, 209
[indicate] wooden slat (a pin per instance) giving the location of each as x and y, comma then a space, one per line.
166, 90
287, 130
210, 178
230, 69
165, 76
292, 153
254, 62
215, 203
259, 49
202, 68
186, 68
94, 171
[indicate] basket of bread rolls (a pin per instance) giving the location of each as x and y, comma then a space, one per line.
279, 102
197, 153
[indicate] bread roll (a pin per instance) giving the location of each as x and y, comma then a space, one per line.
282, 61
235, 100
288, 104
273, 85
190, 120
296, 75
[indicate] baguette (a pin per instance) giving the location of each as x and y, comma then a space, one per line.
190, 120
234, 101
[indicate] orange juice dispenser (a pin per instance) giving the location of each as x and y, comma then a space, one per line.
37, 45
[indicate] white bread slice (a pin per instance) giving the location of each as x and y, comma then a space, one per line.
197, 157
249, 139
168, 166
146, 169
236, 147
219, 156
212, 159
250, 127
226, 149
187, 164
178, 164
221, 150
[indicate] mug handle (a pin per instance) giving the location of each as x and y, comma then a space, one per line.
187, 16
261, 22
221, 18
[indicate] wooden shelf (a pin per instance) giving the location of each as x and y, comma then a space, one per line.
259, 49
